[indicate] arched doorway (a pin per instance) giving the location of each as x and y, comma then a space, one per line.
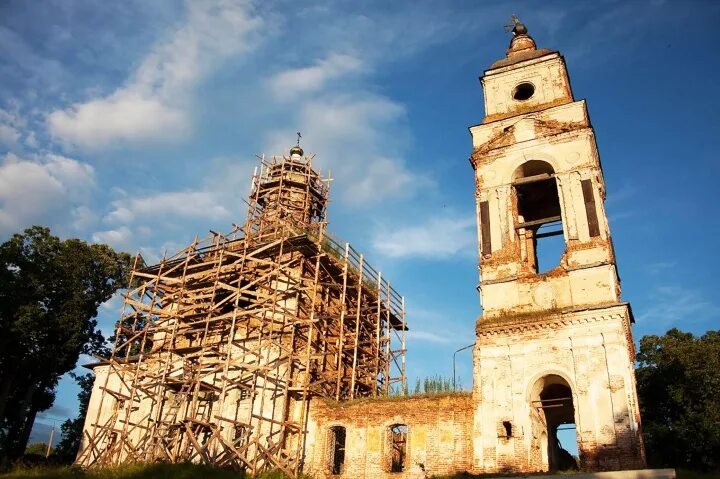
551, 404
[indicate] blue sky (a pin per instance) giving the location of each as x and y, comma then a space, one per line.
137, 124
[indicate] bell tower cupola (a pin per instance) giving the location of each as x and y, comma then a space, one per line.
539, 181
525, 80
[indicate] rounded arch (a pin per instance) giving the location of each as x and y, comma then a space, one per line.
537, 156
552, 404
538, 215
535, 379
532, 168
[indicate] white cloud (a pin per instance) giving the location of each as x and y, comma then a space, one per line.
83, 218
289, 83
41, 190
123, 116
155, 103
438, 238
426, 336
10, 123
359, 137
117, 238
139, 221
180, 204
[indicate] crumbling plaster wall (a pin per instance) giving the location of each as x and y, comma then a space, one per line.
562, 137
439, 435
546, 73
592, 352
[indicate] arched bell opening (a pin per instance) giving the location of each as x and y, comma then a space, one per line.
538, 215
552, 409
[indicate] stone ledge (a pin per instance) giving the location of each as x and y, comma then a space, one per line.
634, 474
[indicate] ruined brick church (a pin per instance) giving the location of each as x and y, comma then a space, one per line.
277, 346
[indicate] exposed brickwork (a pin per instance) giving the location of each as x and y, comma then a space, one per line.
589, 350
439, 435
553, 347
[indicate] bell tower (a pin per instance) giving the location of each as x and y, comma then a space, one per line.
554, 346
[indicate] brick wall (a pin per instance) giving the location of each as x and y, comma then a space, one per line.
439, 436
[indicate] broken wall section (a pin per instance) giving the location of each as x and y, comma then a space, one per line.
391, 437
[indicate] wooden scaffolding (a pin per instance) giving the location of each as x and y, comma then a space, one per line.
221, 347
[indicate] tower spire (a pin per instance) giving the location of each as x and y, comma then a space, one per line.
521, 40
296, 150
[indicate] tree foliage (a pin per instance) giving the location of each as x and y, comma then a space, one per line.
678, 378
50, 291
434, 384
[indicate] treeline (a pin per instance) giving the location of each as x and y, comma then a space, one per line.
50, 291
435, 384
678, 381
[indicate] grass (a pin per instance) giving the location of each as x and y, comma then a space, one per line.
134, 471
195, 471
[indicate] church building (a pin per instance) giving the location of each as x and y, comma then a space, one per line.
278, 346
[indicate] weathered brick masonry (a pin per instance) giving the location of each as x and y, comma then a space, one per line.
439, 431
587, 350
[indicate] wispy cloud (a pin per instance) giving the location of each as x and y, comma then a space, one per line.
677, 305
359, 137
427, 336
154, 103
438, 238
659, 267
133, 220
42, 189
290, 83
10, 125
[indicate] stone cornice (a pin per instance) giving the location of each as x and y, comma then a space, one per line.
553, 319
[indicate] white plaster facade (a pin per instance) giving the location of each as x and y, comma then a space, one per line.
565, 329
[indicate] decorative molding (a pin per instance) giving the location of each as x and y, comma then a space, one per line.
551, 320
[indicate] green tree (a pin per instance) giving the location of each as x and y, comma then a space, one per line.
50, 291
71, 430
434, 384
678, 378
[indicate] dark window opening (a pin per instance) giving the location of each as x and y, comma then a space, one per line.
508, 428
554, 405
337, 449
398, 441
539, 216
486, 243
590, 208
524, 91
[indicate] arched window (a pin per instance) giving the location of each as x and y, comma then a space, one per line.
398, 435
553, 417
336, 449
539, 218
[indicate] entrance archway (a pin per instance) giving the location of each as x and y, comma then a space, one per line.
551, 402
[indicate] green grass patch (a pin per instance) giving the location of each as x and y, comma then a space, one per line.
134, 471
